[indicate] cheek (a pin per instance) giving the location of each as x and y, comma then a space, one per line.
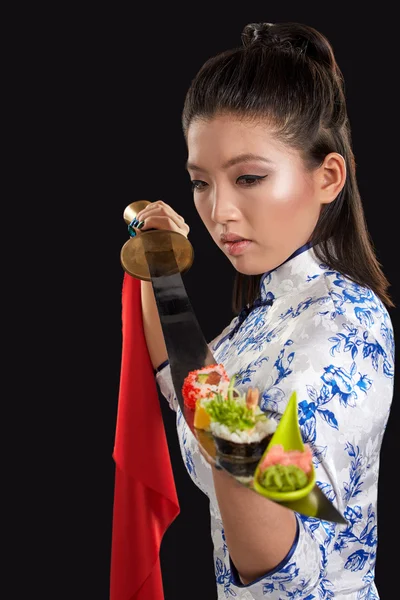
287, 197
291, 189
204, 211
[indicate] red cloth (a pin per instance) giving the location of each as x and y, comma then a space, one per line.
145, 499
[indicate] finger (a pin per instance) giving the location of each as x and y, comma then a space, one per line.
161, 208
167, 221
158, 205
134, 226
164, 222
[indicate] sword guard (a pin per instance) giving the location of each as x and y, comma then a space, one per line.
157, 242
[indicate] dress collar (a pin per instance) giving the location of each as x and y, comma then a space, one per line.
300, 267
288, 274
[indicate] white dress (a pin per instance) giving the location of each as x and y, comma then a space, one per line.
331, 341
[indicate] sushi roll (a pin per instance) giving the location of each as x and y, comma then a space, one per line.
203, 383
282, 472
240, 429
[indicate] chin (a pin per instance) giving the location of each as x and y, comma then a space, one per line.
250, 267
247, 269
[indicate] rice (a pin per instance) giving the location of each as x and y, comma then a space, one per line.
246, 436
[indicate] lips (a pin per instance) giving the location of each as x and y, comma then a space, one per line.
232, 237
238, 247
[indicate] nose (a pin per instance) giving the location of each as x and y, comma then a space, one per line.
224, 207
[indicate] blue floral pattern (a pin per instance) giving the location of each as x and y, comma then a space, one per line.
331, 340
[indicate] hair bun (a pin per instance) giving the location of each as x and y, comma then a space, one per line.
291, 38
256, 33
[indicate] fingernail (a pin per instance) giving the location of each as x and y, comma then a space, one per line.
140, 225
132, 232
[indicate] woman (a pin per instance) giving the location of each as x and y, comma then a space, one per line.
273, 176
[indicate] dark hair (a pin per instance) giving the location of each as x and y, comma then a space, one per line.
286, 74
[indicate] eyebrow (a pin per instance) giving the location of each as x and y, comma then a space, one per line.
232, 161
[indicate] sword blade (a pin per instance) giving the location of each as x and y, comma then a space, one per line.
186, 346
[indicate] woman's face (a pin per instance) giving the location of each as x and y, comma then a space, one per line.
273, 203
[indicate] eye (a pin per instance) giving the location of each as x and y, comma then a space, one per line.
251, 179
248, 181
196, 186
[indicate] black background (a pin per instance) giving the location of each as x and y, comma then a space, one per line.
126, 76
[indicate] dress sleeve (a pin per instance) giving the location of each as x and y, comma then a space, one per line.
343, 378
164, 381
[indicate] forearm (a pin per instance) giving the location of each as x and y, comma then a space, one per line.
259, 533
152, 326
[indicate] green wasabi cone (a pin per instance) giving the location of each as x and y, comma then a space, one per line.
288, 434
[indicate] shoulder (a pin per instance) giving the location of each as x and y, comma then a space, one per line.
348, 318
349, 301
358, 307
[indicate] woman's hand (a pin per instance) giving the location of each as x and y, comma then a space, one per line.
159, 215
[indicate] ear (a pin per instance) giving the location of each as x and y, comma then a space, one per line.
331, 177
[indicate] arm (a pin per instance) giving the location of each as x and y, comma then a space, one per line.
247, 534
259, 533
152, 326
